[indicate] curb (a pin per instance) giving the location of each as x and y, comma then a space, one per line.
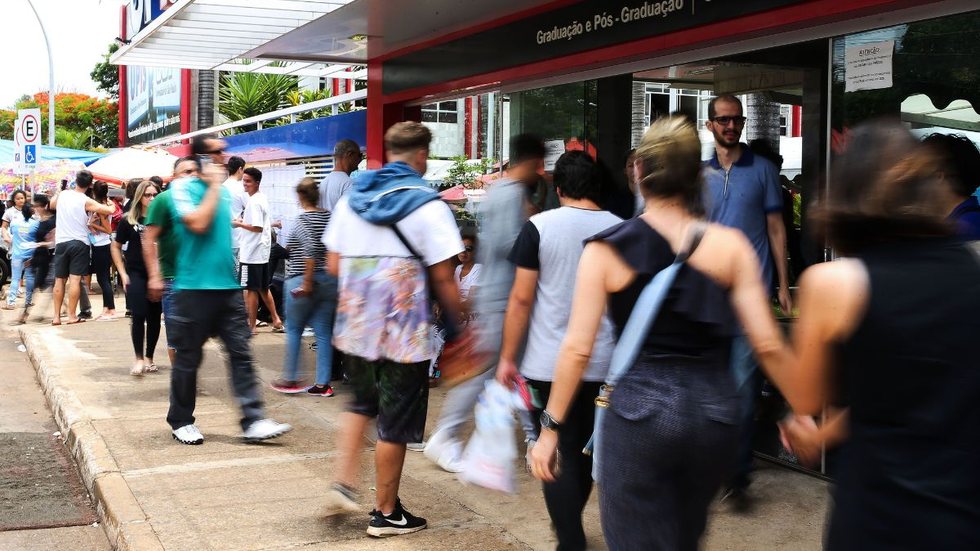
121, 515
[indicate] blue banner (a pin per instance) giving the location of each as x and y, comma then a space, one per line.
314, 138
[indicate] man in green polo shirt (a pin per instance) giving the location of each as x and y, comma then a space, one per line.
207, 297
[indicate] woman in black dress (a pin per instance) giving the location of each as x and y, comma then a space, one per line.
891, 332
669, 435
145, 312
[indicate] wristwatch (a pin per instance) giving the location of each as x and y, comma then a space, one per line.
549, 422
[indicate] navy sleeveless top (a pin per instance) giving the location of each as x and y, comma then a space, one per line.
909, 474
683, 365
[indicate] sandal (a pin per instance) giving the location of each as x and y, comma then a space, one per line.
279, 329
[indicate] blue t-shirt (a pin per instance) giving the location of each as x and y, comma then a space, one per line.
204, 260
742, 198
966, 216
22, 233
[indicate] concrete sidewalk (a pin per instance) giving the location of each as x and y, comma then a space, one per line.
153, 493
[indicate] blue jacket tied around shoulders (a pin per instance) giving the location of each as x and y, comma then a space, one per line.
385, 196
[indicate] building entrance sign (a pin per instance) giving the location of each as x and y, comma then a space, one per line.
569, 30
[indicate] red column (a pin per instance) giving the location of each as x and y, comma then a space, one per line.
797, 121
375, 116
381, 115
468, 127
185, 101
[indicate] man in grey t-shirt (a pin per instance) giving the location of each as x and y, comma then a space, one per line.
547, 254
503, 212
346, 156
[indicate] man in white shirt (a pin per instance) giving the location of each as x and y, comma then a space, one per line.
236, 172
384, 324
254, 249
72, 251
346, 156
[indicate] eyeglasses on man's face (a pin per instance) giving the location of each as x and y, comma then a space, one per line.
725, 120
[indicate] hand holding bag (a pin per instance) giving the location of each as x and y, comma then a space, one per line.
634, 333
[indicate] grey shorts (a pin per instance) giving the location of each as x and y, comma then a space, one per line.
72, 258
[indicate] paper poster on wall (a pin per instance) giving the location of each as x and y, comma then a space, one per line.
869, 66
279, 186
553, 150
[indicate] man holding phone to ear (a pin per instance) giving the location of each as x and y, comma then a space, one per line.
208, 299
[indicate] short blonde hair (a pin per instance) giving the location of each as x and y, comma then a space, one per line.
670, 163
406, 137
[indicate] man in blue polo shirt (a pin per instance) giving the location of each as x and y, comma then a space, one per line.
743, 192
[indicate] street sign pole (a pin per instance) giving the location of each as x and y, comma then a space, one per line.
47, 44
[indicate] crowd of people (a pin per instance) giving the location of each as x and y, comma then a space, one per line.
378, 269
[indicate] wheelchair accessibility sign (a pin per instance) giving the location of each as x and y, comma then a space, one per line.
27, 140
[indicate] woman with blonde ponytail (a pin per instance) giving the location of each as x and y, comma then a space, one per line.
669, 435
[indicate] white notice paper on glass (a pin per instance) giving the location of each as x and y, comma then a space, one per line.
553, 150
869, 66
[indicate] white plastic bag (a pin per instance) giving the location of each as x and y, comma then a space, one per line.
488, 459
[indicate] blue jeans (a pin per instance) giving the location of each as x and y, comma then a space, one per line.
748, 383
18, 270
316, 310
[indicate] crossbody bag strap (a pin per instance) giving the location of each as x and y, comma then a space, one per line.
646, 309
408, 245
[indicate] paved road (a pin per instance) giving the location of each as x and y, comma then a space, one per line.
38, 485
228, 495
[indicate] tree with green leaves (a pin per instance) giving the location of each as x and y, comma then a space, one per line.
7, 119
74, 139
106, 75
244, 95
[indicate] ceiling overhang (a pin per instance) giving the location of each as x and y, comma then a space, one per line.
369, 29
218, 34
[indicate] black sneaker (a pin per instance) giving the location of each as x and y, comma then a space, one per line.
316, 390
399, 522
85, 315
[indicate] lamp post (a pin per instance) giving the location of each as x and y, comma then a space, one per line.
47, 44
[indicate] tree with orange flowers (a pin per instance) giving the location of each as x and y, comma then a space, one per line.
76, 114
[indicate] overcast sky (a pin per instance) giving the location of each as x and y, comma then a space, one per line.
79, 31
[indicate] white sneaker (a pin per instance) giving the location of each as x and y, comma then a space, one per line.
434, 446
264, 429
445, 451
415, 447
188, 434
340, 501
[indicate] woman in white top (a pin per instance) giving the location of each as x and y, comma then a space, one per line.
100, 231
468, 271
19, 197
